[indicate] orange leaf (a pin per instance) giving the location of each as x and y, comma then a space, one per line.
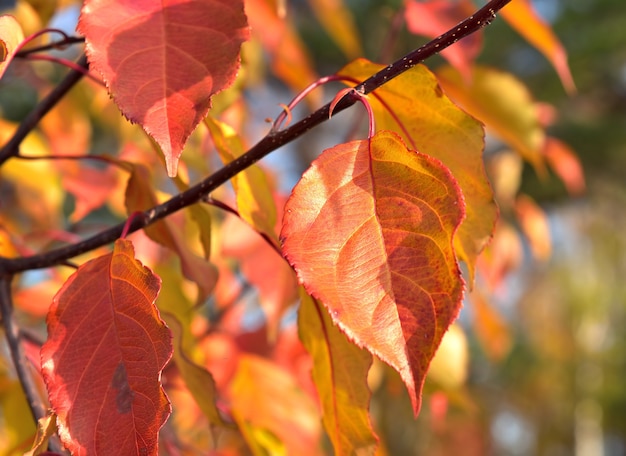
433, 125
273, 413
162, 60
433, 18
104, 355
566, 165
504, 104
11, 36
369, 230
523, 18
340, 374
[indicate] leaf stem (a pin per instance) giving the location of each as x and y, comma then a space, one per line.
272, 141
11, 148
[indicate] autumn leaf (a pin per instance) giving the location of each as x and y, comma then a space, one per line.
435, 17
104, 355
11, 35
415, 107
369, 230
340, 374
163, 60
255, 202
521, 15
504, 104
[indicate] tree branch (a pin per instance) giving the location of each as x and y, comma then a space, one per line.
20, 361
268, 144
12, 147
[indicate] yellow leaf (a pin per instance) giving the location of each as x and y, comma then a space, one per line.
255, 202
46, 428
504, 104
340, 375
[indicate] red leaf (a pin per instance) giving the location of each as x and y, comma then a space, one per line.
162, 60
433, 18
103, 358
369, 230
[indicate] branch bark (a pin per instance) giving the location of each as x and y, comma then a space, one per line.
265, 146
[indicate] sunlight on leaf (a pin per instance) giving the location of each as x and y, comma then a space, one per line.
521, 15
428, 121
369, 230
340, 374
104, 355
255, 202
564, 162
162, 61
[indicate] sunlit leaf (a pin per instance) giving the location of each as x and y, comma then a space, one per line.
255, 202
504, 104
369, 230
163, 60
11, 36
46, 428
340, 374
521, 15
428, 121
433, 18
103, 358
276, 416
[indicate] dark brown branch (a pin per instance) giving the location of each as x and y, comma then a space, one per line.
12, 147
268, 144
20, 361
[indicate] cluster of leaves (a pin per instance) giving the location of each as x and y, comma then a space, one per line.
367, 245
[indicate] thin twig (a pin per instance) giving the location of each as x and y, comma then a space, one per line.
12, 147
20, 361
268, 144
